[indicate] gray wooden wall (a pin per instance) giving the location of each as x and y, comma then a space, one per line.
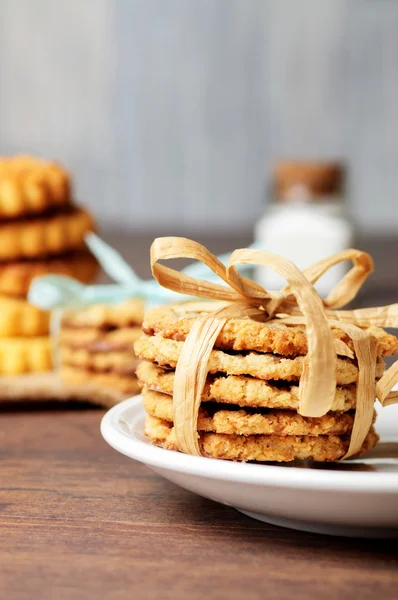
171, 112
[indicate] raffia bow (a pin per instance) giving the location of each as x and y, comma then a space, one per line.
297, 303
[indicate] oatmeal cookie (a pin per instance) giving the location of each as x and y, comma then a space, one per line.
273, 448
230, 420
241, 333
241, 390
166, 352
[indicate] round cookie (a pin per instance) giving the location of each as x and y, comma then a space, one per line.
122, 363
241, 390
126, 384
98, 340
273, 448
18, 318
53, 234
106, 316
30, 185
23, 355
166, 352
230, 421
16, 277
175, 322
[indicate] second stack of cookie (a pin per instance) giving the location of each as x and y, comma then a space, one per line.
249, 409
41, 232
96, 345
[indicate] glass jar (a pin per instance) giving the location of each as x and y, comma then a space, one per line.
306, 220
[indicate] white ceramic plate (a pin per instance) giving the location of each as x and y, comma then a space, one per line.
351, 498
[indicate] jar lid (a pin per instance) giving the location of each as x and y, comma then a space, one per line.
308, 180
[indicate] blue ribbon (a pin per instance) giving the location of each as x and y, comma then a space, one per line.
50, 292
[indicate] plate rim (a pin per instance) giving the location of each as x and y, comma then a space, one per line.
261, 475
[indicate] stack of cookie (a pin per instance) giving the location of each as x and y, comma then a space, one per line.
250, 399
41, 232
97, 346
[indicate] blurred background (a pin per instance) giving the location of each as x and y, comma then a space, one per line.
171, 113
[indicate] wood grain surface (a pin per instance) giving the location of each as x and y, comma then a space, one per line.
80, 521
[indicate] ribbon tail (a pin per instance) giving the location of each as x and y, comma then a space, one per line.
55, 291
111, 261
379, 316
365, 347
384, 386
190, 377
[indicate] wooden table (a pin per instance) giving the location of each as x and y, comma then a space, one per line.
80, 521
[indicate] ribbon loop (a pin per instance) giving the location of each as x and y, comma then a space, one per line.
173, 247
350, 284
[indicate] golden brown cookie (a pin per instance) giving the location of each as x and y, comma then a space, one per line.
19, 318
241, 390
16, 277
30, 185
106, 316
230, 420
239, 334
98, 340
43, 235
166, 353
23, 355
126, 384
275, 448
123, 363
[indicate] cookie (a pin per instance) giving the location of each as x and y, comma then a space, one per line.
241, 390
126, 384
53, 234
16, 277
166, 352
34, 388
230, 420
123, 363
274, 448
19, 318
22, 355
30, 186
175, 322
98, 340
107, 316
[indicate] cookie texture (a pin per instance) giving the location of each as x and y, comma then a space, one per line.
30, 186
241, 390
18, 318
230, 420
22, 355
126, 384
106, 316
123, 363
273, 448
175, 322
166, 352
44, 235
16, 276
95, 339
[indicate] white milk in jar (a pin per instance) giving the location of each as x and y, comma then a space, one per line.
306, 220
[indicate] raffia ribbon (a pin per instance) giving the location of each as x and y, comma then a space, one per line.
297, 303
